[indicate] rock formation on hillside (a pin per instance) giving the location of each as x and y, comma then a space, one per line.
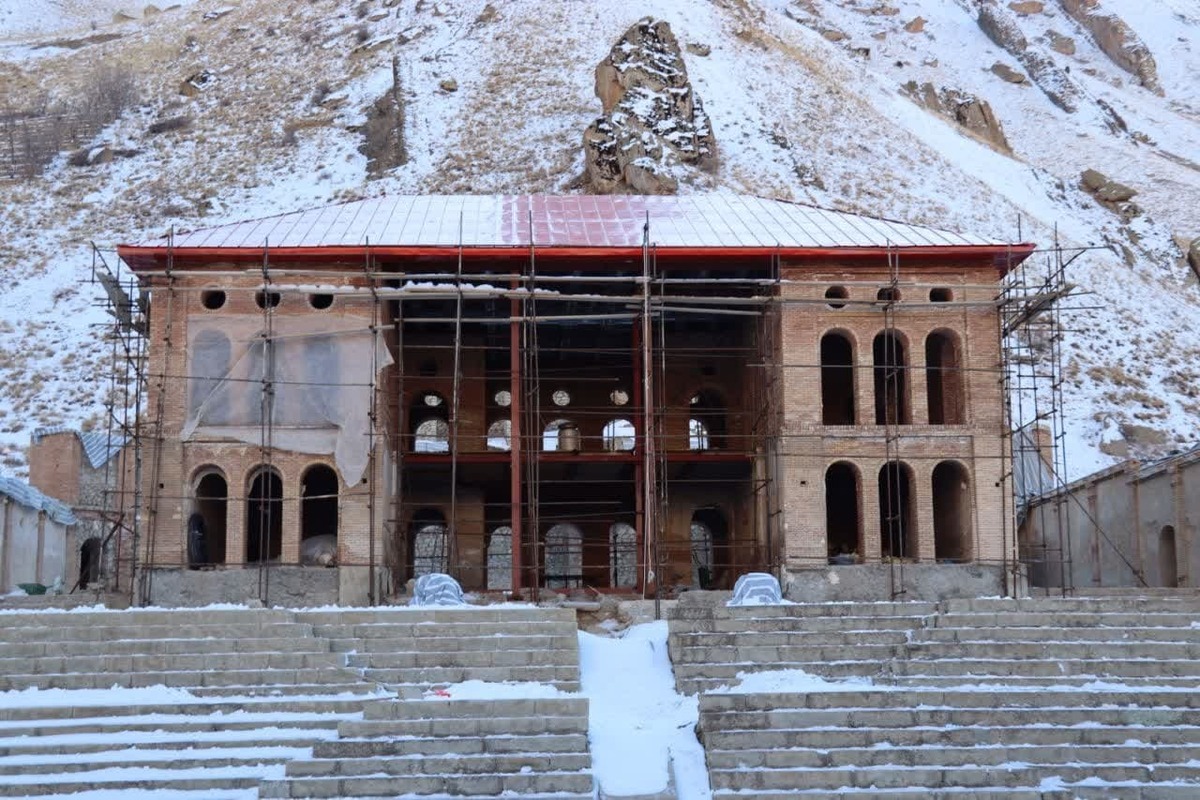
1001, 27
1116, 40
654, 130
968, 111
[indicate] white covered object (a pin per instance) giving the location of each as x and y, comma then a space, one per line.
437, 589
756, 589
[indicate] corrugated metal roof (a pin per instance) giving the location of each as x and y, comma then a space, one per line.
98, 447
26, 495
714, 220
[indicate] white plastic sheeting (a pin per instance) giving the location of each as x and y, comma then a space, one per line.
320, 372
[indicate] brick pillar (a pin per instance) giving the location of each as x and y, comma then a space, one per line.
872, 550
918, 389
923, 495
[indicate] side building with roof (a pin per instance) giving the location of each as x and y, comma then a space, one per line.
35, 537
613, 393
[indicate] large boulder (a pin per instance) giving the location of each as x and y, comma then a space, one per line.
1116, 40
654, 130
1193, 256
970, 112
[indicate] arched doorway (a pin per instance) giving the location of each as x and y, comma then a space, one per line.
264, 516
430, 420
499, 559
564, 557
951, 488
709, 534
429, 543
622, 555
891, 380
1168, 558
843, 525
89, 562
706, 423
944, 379
837, 380
897, 511
319, 508
211, 503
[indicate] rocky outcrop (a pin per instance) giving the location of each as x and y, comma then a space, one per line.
383, 133
1116, 40
1001, 27
1109, 193
654, 131
966, 110
1193, 256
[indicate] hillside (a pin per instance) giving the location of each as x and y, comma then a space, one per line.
262, 107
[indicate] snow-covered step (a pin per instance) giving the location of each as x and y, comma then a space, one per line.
1068, 619
182, 678
982, 634
276, 642
935, 736
1049, 669
571, 782
163, 662
1177, 601
450, 643
441, 744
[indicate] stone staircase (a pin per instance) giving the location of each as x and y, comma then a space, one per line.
290, 703
1041, 698
531, 742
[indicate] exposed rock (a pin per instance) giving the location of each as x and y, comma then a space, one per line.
1092, 179
217, 13
122, 16
1116, 40
197, 82
966, 110
1113, 192
1027, 7
1061, 44
100, 154
448, 85
1001, 26
834, 36
915, 25
1193, 256
654, 129
1113, 195
883, 10
170, 124
383, 133
1005, 72
487, 15
151, 11
698, 49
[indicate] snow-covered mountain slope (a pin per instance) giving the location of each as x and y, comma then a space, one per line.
805, 102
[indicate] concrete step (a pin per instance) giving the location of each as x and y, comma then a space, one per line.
766, 655
170, 662
121, 780
452, 745
17, 735
1072, 635
432, 709
797, 624
1116, 650
1066, 619
145, 758
446, 644
1027, 681
275, 644
438, 676
179, 617
1147, 792
465, 727
892, 739
282, 706
365, 689
785, 718
945, 756
523, 763
160, 741
901, 777
458, 785
923, 698
1172, 603
984, 669
803, 610
830, 638
403, 615
181, 679
498, 656
126, 629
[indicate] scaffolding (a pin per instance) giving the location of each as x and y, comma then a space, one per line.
537, 425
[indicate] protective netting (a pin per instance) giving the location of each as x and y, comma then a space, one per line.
319, 374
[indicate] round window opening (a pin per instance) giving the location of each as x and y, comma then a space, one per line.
320, 301
503, 398
212, 300
835, 293
619, 397
266, 299
561, 397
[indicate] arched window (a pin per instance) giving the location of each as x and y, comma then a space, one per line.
836, 295
888, 294
1168, 559
564, 557
89, 562
210, 504
622, 555
706, 423
318, 502
897, 511
561, 436
944, 379
499, 435
499, 559
837, 380
709, 535
429, 417
429, 541
843, 523
619, 434
891, 380
210, 365
264, 516
941, 294
951, 512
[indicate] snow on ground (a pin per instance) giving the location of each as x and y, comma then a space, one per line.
640, 730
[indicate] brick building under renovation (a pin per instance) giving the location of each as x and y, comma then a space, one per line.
639, 394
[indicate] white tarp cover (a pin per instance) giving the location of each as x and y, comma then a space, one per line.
320, 370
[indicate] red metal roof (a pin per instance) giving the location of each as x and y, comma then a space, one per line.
428, 223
